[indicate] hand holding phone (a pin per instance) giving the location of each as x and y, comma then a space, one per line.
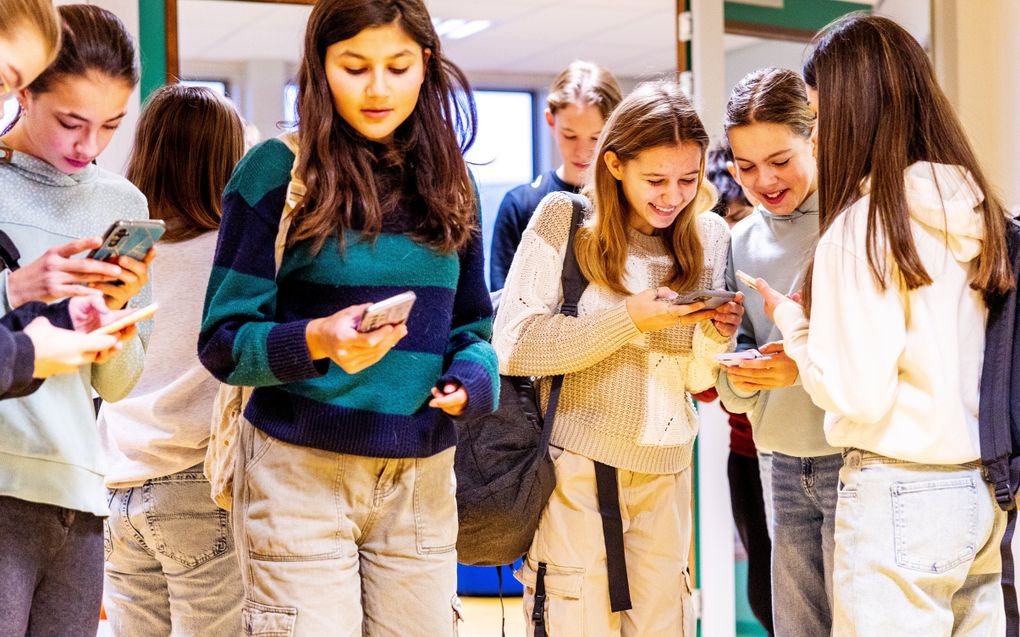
735, 358
132, 317
392, 311
711, 298
129, 238
748, 280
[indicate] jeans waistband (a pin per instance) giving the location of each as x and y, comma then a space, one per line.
861, 458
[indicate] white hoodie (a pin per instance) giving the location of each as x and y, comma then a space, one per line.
898, 372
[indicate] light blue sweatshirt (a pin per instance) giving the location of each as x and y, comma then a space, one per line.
50, 450
775, 248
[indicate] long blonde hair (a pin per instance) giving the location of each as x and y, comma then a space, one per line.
655, 114
41, 14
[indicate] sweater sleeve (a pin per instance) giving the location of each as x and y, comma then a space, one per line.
531, 337
114, 379
848, 359
472, 359
240, 343
737, 400
18, 356
703, 369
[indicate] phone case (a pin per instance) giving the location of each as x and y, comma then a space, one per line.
129, 238
711, 298
391, 311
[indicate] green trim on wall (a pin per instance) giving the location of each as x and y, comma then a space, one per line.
152, 45
806, 15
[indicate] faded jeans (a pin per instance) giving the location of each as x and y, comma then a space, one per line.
170, 562
804, 497
917, 551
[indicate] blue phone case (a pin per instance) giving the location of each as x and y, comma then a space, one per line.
130, 239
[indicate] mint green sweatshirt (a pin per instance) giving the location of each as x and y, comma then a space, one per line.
50, 450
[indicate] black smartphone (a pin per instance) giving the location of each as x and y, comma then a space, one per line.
129, 238
711, 298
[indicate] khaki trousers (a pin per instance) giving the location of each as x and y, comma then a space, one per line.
656, 513
335, 544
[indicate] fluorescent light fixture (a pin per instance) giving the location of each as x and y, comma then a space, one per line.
457, 28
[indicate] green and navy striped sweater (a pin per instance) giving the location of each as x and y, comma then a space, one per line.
253, 326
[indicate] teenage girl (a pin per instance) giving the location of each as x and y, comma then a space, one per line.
170, 563
35, 349
580, 100
890, 338
51, 481
769, 125
630, 359
344, 511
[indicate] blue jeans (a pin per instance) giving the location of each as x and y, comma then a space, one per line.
804, 492
170, 561
917, 551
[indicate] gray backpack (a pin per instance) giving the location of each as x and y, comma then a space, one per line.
504, 471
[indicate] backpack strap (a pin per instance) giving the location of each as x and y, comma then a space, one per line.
9, 254
1008, 577
573, 282
607, 491
996, 414
295, 195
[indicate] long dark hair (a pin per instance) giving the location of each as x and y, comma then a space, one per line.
880, 109
655, 114
187, 143
92, 39
338, 164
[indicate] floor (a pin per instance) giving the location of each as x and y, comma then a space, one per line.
481, 618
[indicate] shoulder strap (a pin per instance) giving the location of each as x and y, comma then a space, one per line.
9, 254
995, 411
295, 194
571, 278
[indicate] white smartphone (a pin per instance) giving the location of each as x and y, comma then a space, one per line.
391, 311
711, 298
139, 315
735, 358
746, 278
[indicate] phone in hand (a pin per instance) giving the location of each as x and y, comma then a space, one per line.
747, 279
391, 311
735, 358
711, 298
139, 315
129, 238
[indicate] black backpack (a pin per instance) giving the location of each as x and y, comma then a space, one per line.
504, 471
999, 418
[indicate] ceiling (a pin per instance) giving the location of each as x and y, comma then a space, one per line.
632, 37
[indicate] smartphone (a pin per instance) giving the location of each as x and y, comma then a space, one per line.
711, 298
129, 238
746, 278
391, 311
734, 358
139, 315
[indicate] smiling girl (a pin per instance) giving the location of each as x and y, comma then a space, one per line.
52, 497
630, 359
769, 124
580, 100
344, 513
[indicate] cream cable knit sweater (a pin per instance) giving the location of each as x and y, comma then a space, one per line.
626, 395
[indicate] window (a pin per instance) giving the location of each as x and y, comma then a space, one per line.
503, 155
216, 86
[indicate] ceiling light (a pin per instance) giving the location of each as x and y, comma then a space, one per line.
457, 28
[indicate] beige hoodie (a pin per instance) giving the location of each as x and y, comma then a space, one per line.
897, 372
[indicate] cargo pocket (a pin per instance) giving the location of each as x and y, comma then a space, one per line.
261, 620
935, 523
564, 606
435, 504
